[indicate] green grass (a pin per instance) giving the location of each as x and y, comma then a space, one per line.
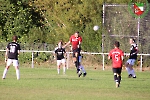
45, 84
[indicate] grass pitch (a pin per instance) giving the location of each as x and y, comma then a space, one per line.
45, 84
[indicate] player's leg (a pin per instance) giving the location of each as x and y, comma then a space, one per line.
128, 68
75, 59
115, 74
119, 80
64, 65
131, 68
115, 77
78, 64
131, 72
119, 75
75, 63
8, 63
16, 65
58, 66
82, 67
83, 70
79, 70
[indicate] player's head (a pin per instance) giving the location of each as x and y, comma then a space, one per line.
15, 38
117, 44
60, 44
132, 40
76, 34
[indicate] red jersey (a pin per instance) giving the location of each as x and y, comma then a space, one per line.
116, 55
75, 41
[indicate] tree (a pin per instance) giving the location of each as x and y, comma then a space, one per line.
48, 21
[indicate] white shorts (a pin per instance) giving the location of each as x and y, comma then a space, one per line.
131, 61
62, 61
15, 62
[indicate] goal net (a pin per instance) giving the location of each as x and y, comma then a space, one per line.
119, 24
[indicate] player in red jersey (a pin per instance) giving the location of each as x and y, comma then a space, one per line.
76, 41
116, 55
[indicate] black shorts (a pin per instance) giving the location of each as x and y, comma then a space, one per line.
117, 70
76, 51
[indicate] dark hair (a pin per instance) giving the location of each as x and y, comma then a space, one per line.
117, 44
61, 41
133, 39
15, 38
77, 32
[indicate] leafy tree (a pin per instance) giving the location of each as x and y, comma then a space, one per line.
48, 21
18, 18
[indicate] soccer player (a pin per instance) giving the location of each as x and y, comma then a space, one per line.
75, 40
116, 55
132, 58
60, 55
11, 56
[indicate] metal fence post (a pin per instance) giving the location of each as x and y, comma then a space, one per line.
103, 61
141, 64
32, 60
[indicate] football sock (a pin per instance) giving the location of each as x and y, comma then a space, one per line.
82, 68
5, 72
119, 79
78, 70
64, 70
58, 70
76, 64
128, 70
133, 73
17, 74
115, 78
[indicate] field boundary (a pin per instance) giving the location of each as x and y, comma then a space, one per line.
88, 53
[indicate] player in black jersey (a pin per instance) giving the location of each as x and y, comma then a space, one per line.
60, 55
132, 58
11, 56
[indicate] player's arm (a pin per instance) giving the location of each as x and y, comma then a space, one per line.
109, 56
122, 58
55, 53
80, 41
79, 45
66, 44
135, 51
19, 49
18, 52
65, 54
6, 54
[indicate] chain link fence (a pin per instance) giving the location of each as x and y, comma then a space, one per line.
120, 25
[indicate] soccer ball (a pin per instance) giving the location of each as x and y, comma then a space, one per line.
95, 28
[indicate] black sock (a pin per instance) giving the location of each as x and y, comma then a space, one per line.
76, 64
119, 79
115, 78
78, 69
